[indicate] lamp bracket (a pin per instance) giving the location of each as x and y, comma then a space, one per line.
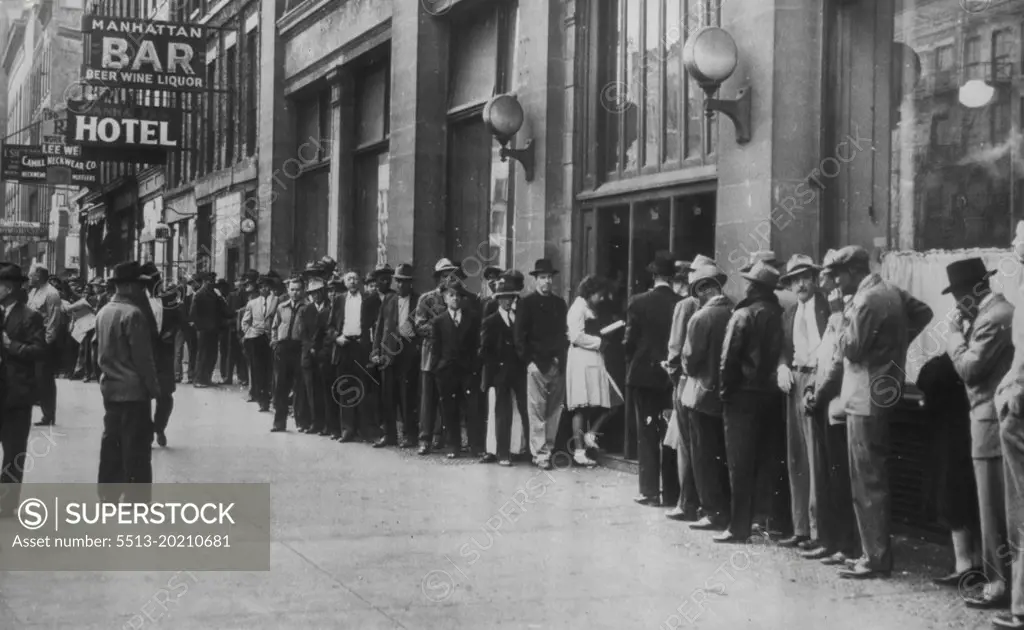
737, 110
524, 156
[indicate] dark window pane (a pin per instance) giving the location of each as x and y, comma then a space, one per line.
634, 81
614, 95
370, 106
673, 78
652, 101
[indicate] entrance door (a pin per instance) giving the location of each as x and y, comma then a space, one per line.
469, 194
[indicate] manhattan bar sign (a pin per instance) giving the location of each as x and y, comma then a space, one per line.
92, 124
135, 53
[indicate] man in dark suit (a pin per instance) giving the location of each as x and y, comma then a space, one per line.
456, 337
23, 344
167, 312
502, 368
803, 325
186, 338
488, 303
317, 372
648, 326
429, 306
352, 320
208, 315
396, 353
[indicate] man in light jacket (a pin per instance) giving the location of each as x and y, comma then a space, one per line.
257, 320
881, 321
45, 300
981, 346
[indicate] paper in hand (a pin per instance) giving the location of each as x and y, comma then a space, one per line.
610, 328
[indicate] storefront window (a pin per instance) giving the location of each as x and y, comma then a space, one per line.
956, 153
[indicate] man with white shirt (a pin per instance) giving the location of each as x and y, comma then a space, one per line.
350, 327
257, 319
803, 324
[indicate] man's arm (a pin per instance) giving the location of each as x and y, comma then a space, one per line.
696, 347
732, 354
246, 324
52, 315
677, 334
974, 360
275, 325
633, 331
424, 318
919, 315
34, 345
862, 328
141, 345
521, 332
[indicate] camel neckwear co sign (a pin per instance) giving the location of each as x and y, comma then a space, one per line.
136, 53
93, 124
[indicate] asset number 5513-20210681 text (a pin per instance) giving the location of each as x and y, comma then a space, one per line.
174, 541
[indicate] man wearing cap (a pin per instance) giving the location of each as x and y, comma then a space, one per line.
23, 344
750, 397
648, 325
208, 314
45, 300
431, 304
542, 344
980, 344
317, 371
803, 324
700, 400
129, 383
257, 321
396, 354
167, 318
881, 321
352, 320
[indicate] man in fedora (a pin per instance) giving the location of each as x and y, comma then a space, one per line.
23, 344
751, 400
396, 354
167, 316
648, 326
767, 256
431, 304
187, 337
503, 371
542, 345
980, 343
881, 321
208, 314
803, 325
129, 383
353, 316
45, 300
317, 370
700, 400
456, 338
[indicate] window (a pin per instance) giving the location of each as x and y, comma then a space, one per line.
212, 119
1003, 49
648, 115
944, 58
324, 125
372, 110
252, 95
972, 59
231, 119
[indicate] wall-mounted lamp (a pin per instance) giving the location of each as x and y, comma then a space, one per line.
710, 56
247, 225
504, 116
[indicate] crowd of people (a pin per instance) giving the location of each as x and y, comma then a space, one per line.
753, 418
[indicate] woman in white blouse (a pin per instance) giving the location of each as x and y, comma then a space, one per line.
589, 390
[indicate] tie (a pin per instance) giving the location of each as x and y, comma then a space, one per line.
291, 322
803, 334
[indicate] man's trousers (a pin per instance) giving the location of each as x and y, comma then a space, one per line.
287, 357
318, 377
545, 396
647, 406
232, 359
400, 382
752, 461
261, 370
126, 451
357, 391
46, 382
869, 480
15, 427
459, 404
206, 342
988, 473
162, 413
509, 397
802, 444
1011, 435
837, 523
431, 425
185, 340
689, 497
710, 466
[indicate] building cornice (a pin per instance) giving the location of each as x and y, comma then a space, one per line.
14, 42
304, 14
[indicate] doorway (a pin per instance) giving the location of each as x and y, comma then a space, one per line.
469, 195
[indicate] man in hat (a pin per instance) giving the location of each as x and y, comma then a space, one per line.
352, 320
750, 397
702, 406
235, 349
257, 321
503, 369
226, 331
396, 354
767, 256
208, 314
431, 304
837, 524
881, 321
317, 370
23, 345
129, 383
45, 300
335, 287
187, 338
456, 336
375, 406
286, 346
648, 326
542, 345
980, 344
491, 277
688, 504
167, 318
803, 324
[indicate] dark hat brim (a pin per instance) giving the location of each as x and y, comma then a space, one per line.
969, 284
800, 269
538, 272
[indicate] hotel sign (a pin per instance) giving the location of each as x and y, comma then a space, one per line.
137, 53
93, 124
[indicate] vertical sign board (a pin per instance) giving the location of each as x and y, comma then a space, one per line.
139, 53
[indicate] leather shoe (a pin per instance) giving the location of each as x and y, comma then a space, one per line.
793, 541
728, 537
815, 554
862, 572
488, 458
987, 603
383, 442
161, 439
453, 455
407, 443
1008, 621
45, 423
277, 430
347, 437
706, 524
645, 500
677, 514
809, 544
954, 578
836, 559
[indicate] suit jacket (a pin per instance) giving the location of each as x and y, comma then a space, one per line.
702, 355
541, 330
387, 341
821, 313
163, 346
501, 363
368, 318
209, 310
982, 360
648, 326
27, 331
455, 347
257, 319
313, 332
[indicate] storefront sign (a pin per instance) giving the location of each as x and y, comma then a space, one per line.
55, 164
23, 163
23, 229
69, 156
138, 53
106, 125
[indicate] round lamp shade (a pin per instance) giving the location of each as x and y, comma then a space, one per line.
710, 55
248, 226
976, 93
504, 115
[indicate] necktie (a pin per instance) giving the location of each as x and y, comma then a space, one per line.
803, 334
291, 321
